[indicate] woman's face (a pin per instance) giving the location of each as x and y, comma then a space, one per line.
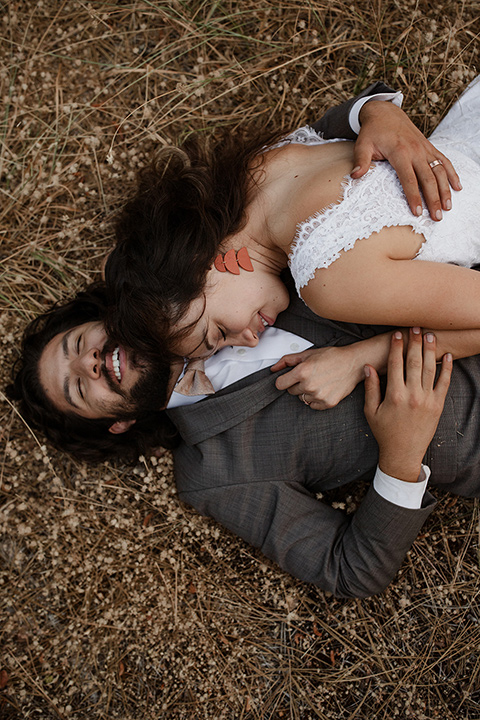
234, 310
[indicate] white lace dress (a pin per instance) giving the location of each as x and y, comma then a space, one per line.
377, 200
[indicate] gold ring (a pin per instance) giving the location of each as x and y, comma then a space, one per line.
302, 398
434, 163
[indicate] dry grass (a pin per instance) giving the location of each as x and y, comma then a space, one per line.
116, 601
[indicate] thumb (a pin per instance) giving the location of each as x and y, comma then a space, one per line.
443, 382
372, 391
362, 159
286, 361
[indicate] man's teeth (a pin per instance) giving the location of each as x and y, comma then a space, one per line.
116, 364
264, 321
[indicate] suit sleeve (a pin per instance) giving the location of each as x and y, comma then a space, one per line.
334, 124
354, 555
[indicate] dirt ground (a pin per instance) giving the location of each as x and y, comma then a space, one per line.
116, 601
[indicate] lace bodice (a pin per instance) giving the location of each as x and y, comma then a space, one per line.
376, 201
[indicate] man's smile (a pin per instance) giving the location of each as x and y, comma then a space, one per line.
115, 366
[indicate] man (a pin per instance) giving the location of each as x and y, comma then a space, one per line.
253, 457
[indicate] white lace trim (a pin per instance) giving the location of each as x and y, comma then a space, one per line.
321, 239
371, 203
305, 136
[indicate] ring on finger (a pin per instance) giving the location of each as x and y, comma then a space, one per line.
434, 163
302, 398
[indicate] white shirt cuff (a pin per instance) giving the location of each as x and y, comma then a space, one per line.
405, 494
353, 117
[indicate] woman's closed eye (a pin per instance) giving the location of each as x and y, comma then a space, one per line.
79, 388
78, 343
223, 334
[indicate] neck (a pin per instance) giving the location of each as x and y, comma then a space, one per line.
263, 253
270, 258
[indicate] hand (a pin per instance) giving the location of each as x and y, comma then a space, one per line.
405, 422
388, 134
325, 375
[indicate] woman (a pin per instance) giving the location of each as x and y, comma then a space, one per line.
352, 245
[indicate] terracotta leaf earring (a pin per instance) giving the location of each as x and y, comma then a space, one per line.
232, 261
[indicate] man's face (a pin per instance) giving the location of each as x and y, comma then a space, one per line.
82, 372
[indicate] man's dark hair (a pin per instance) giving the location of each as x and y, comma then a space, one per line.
86, 439
188, 201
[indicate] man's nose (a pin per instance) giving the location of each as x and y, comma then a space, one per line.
89, 364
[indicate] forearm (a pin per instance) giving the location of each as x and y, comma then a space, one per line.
374, 351
460, 343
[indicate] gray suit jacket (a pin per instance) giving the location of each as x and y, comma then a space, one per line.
254, 458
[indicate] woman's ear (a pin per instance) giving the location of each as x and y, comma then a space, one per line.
102, 266
121, 426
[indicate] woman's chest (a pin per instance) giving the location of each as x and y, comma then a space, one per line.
298, 181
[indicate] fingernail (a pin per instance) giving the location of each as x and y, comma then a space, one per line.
366, 370
439, 214
448, 357
397, 335
416, 330
448, 205
355, 169
419, 210
460, 186
429, 337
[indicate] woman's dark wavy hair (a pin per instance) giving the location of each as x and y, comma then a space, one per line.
84, 438
188, 201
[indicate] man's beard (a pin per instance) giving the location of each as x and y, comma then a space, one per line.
149, 394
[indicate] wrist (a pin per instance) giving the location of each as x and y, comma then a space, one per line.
401, 468
368, 110
373, 351
386, 98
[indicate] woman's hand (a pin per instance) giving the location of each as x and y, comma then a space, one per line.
324, 376
388, 134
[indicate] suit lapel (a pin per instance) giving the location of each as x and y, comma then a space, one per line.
225, 409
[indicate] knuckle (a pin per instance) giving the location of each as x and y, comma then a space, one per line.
429, 182
415, 402
396, 397
414, 364
401, 146
410, 179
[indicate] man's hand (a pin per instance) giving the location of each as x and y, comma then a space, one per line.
404, 423
388, 134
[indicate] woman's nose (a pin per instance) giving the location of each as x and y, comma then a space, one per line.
248, 338
89, 364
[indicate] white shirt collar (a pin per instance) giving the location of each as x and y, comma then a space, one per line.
234, 363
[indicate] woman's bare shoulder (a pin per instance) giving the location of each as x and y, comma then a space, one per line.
300, 181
